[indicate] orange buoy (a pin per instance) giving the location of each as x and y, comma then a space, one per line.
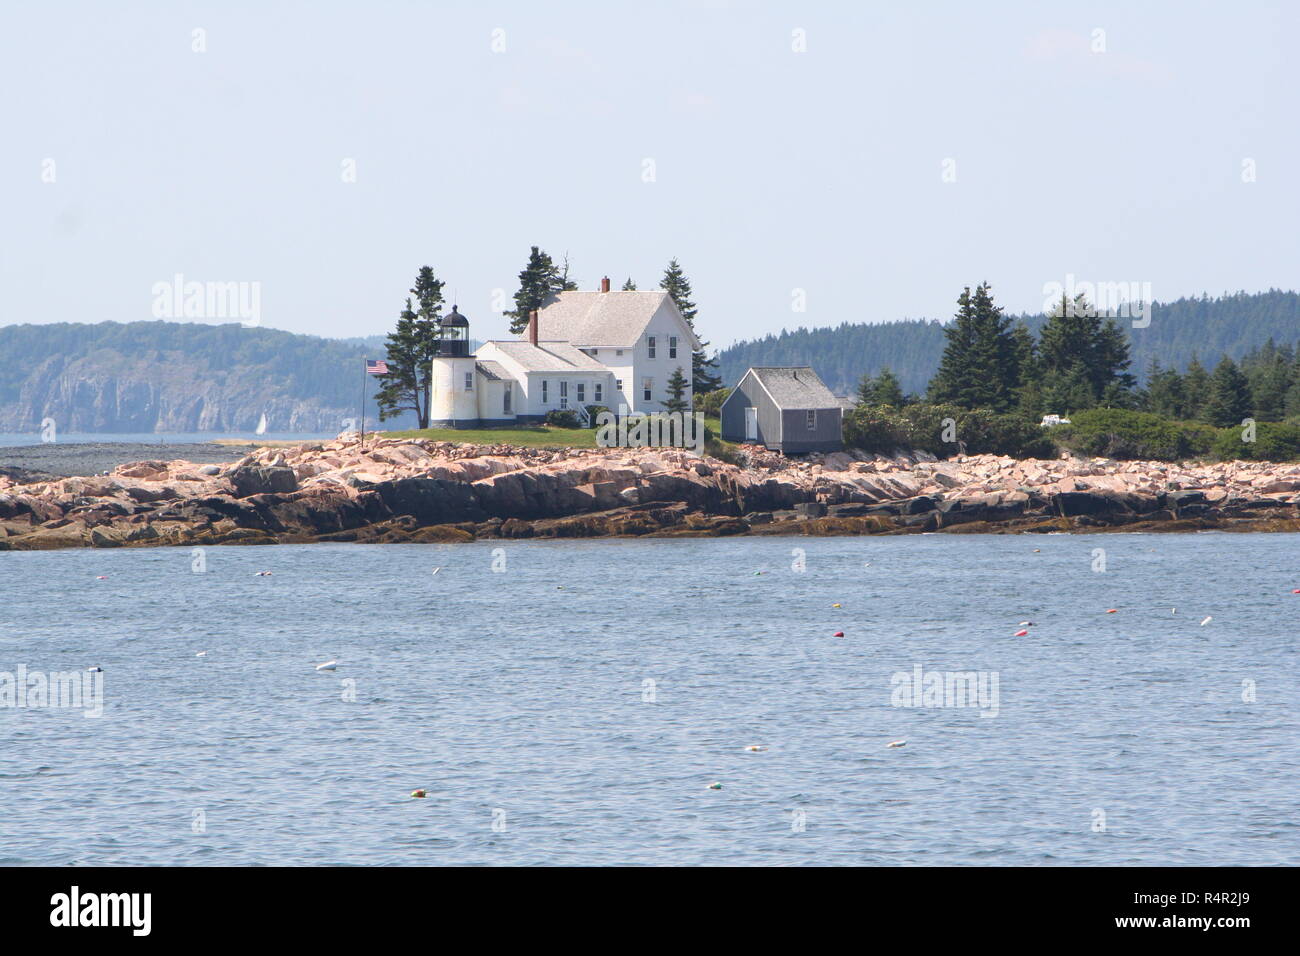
1112, 611
1021, 633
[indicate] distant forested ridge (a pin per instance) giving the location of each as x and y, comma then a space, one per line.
1206, 328
178, 377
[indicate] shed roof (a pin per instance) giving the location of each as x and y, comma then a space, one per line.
795, 387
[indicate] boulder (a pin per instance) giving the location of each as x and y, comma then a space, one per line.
263, 479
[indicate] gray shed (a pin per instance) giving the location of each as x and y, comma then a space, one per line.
787, 409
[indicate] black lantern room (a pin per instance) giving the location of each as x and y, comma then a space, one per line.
453, 335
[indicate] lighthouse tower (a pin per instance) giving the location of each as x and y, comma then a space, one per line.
453, 399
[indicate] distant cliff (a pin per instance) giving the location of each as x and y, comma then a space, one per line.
178, 377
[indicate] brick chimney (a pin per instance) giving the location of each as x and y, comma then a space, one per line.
604, 284
532, 327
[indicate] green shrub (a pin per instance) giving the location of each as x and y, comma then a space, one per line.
562, 418
1120, 433
922, 427
1274, 441
710, 403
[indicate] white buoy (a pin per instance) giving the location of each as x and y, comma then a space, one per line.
95, 669
328, 666
1206, 621
201, 654
897, 743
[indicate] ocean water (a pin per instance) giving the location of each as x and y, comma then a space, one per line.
574, 705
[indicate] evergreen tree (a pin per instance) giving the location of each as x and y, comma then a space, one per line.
704, 378
537, 282
1229, 395
980, 367
1196, 389
410, 351
1068, 392
677, 385
1268, 369
1075, 335
629, 285
882, 390
1165, 394
566, 284
1029, 393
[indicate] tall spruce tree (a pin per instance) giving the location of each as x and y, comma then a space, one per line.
410, 350
1196, 389
1076, 338
629, 285
677, 385
703, 376
539, 279
1164, 393
980, 367
1229, 400
884, 389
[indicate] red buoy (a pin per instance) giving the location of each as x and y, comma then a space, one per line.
839, 633
1021, 633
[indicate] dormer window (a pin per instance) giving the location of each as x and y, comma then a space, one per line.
651, 342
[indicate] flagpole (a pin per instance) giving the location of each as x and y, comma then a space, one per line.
364, 373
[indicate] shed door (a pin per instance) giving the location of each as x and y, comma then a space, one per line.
751, 423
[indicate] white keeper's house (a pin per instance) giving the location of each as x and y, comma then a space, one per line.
581, 348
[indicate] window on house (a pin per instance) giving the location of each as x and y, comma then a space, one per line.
618, 385
544, 390
812, 418
506, 398
598, 392
618, 351
672, 346
564, 394
651, 342
647, 388
469, 381
582, 393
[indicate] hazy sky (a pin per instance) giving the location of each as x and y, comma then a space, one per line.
479, 129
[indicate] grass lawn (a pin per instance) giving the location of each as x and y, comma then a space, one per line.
529, 436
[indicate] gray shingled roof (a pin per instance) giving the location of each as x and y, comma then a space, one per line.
602, 319
492, 371
549, 357
796, 387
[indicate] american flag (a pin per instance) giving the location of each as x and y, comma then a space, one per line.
376, 367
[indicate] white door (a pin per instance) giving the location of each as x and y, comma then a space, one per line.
751, 424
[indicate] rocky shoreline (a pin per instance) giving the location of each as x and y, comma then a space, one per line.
422, 491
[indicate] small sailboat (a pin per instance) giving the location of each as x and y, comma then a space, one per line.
261, 425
